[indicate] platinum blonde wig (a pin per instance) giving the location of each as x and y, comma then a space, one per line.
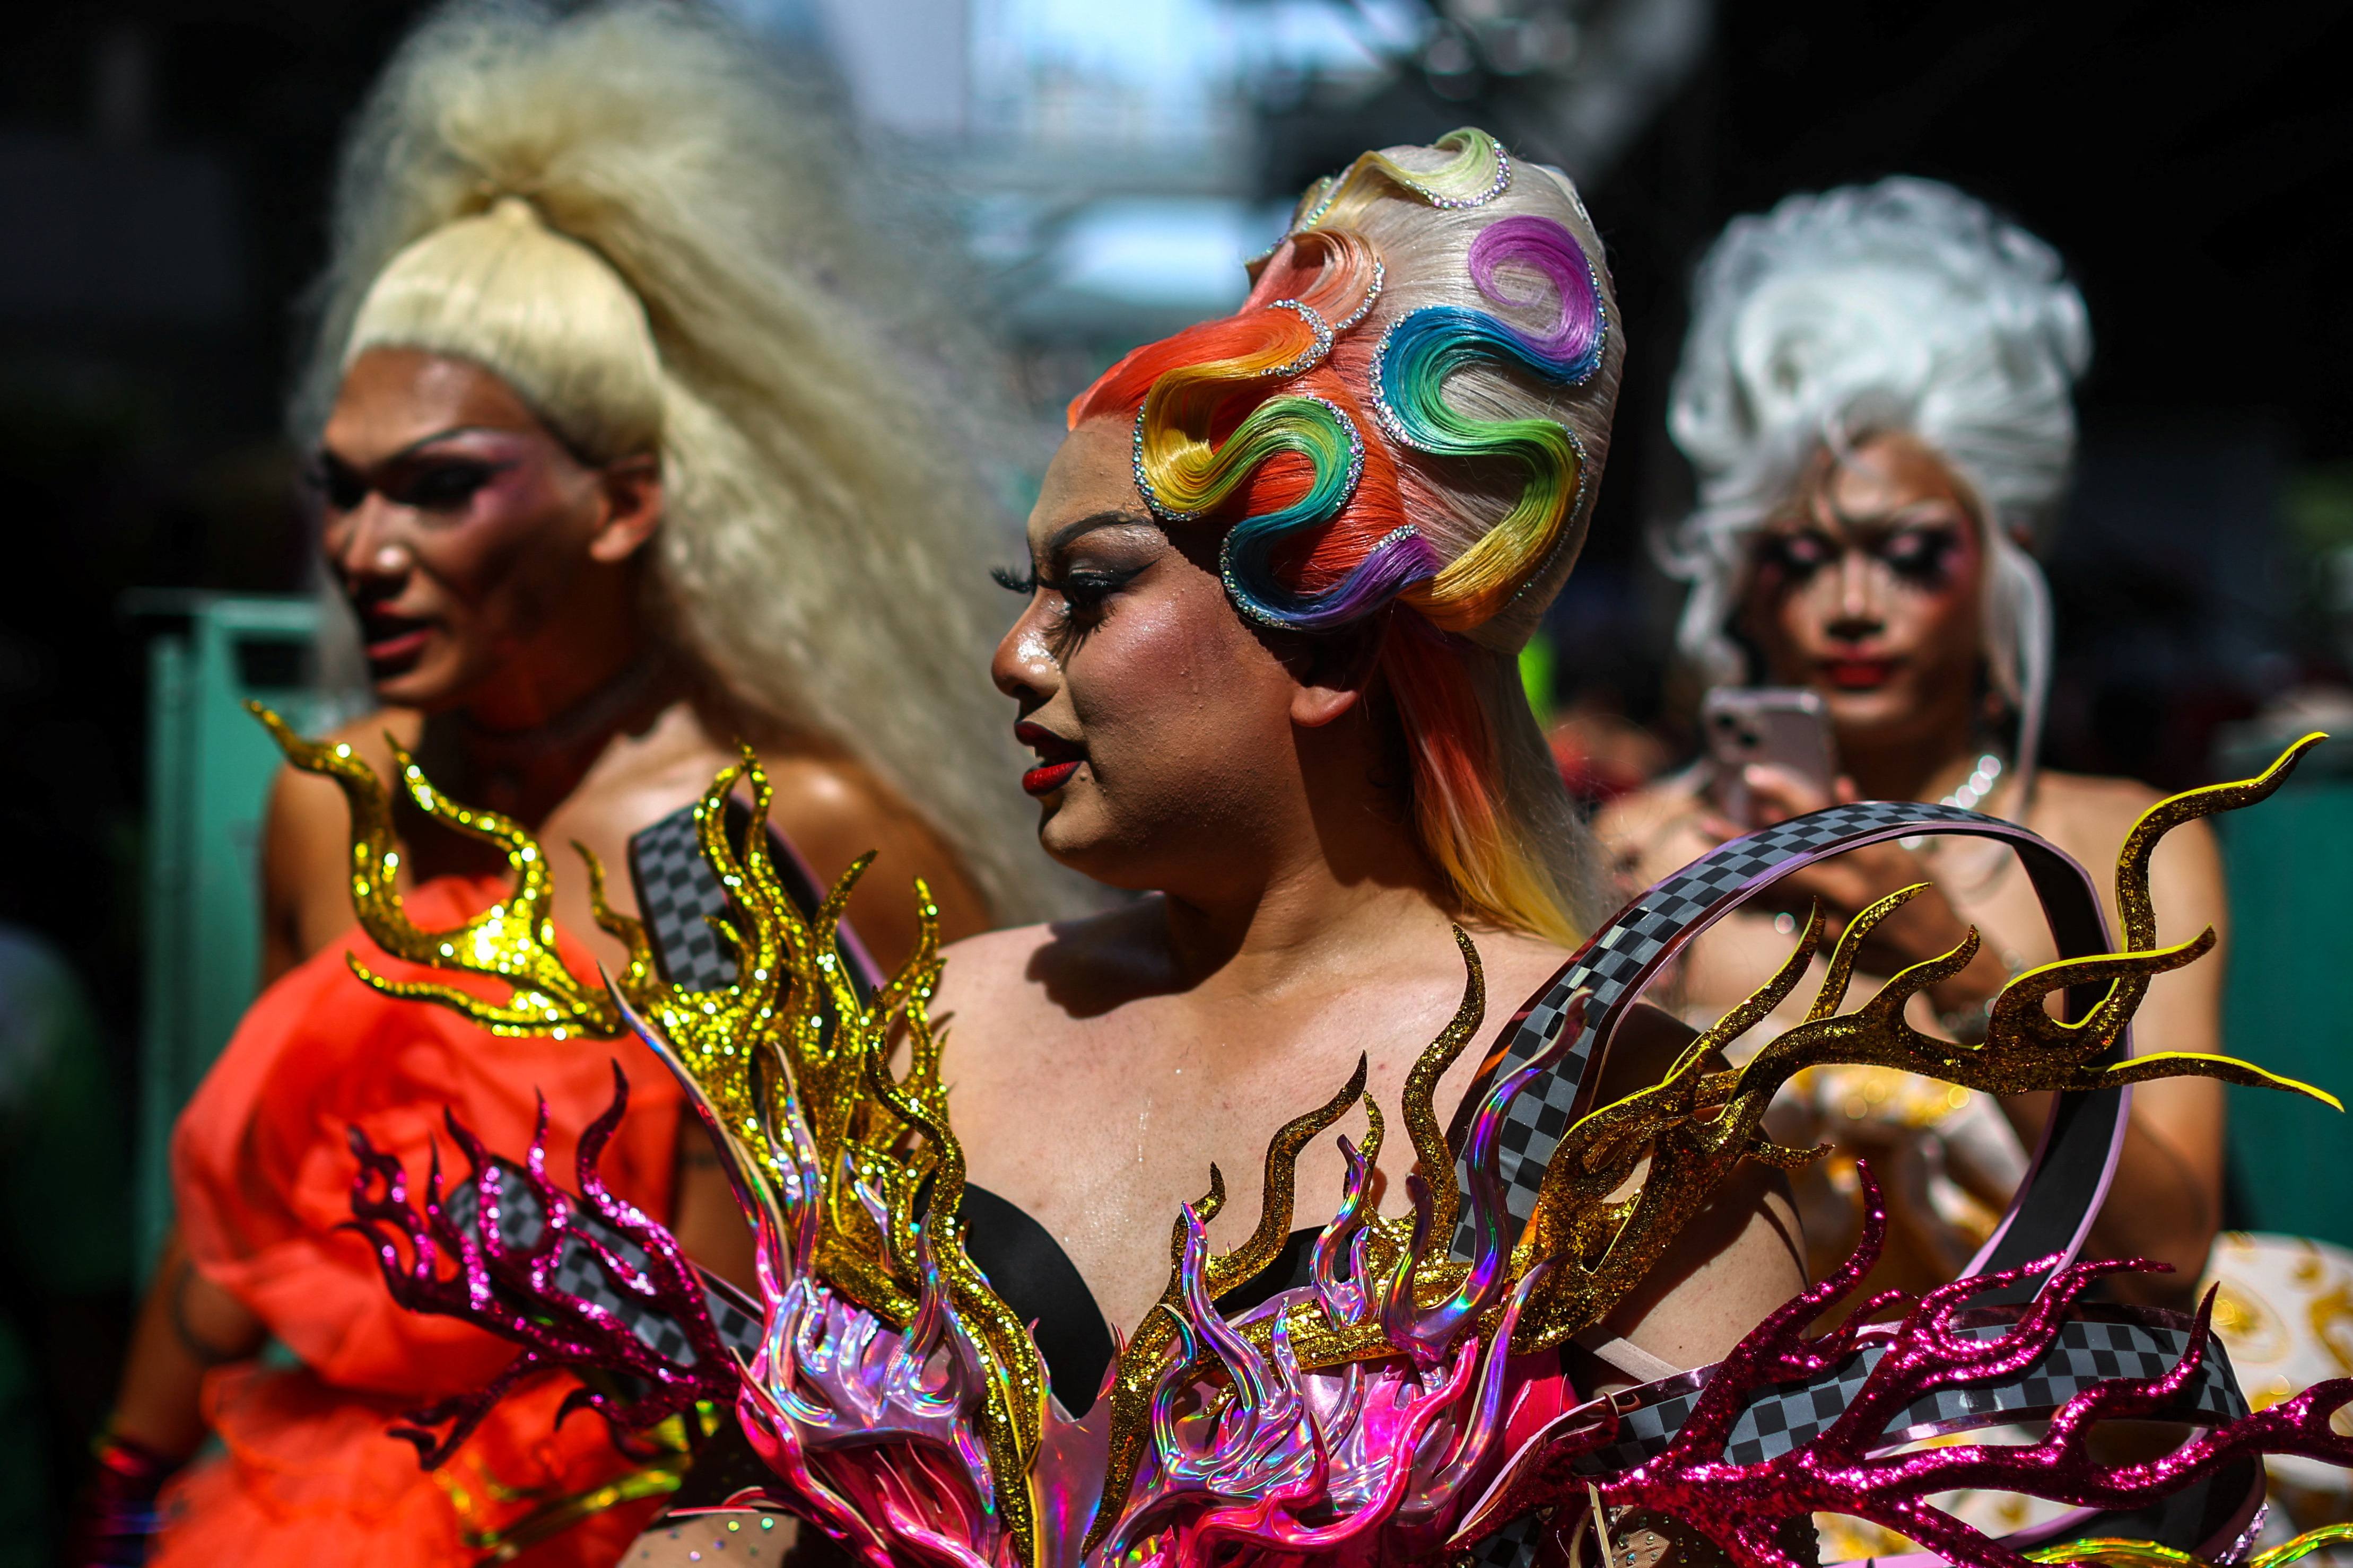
630, 215
1903, 306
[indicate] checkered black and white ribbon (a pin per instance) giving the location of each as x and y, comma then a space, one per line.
2050, 1214
2088, 1350
679, 897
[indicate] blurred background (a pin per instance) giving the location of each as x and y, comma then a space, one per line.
1107, 164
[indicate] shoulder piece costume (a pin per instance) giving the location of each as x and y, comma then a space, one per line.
262, 1163
1396, 1402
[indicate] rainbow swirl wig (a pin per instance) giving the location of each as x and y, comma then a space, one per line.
1400, 432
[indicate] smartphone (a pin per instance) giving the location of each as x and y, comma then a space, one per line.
1785, 726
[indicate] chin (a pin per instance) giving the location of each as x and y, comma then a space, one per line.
427, 686
1091, 850
1864, 711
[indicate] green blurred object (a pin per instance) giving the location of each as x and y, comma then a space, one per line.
1536, 676
2288, 1001
209, 767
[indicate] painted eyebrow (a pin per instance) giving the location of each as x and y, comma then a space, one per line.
1062, 538
1934, 509
416, 445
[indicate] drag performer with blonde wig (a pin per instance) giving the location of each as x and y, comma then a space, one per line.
1030, 1290
618, 467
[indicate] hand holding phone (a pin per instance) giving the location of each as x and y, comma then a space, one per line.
1783, 727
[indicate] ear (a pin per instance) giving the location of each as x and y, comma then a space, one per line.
1332, 674
632, 492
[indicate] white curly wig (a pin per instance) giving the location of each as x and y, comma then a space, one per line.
1900, 306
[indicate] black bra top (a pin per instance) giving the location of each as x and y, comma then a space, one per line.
1031, 1274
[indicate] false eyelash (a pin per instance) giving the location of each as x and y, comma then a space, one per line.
1012, 581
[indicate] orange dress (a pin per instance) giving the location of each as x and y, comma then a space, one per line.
262, 1173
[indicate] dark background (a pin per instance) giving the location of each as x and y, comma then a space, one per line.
165, 170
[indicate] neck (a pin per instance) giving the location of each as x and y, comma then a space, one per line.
1293, 930
1327, 887
1925, 768
523, 746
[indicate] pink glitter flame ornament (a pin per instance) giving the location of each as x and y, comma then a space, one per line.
1846, 1468
1377, 1413
513, 1290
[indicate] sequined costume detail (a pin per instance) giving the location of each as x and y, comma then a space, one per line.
1391, 1410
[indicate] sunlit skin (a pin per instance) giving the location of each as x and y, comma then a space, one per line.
1868, 589
1098, 1067
499, 581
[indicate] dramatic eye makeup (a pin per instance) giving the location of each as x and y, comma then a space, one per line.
439, 484
1796, 554
1922, 553
1919, 553
425, 480
1086, 588
1086, 592
336, 482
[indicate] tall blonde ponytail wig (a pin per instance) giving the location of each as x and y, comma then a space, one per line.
628, 215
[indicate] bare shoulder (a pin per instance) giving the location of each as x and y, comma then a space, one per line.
2088, 817
1636, 818
304, 836
307, 811
370, 738
835, 810
2089, 810
1515, 966
987, 970
1071, 966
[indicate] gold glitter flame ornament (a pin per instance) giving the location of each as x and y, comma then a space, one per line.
794, 1071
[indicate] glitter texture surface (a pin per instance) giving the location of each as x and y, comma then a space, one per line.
1361, 1418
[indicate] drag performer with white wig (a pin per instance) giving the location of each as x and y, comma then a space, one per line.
1875, 393
1876, 396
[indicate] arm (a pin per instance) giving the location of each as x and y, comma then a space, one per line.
306, 834
289, 834
187, 1326
2166, 1200
1739, 1258
704, 1215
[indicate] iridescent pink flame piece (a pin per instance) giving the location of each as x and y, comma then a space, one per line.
1365, 1463
1843, 1470
874, 1434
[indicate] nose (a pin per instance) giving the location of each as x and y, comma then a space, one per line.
1024, 667
1858, 612
365, 545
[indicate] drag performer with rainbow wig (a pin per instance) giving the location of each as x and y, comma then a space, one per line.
1278, 575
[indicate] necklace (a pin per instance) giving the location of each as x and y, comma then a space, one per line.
1978, 785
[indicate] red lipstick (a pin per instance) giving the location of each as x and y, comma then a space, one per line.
1057, 759
1858, 674
392, 639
